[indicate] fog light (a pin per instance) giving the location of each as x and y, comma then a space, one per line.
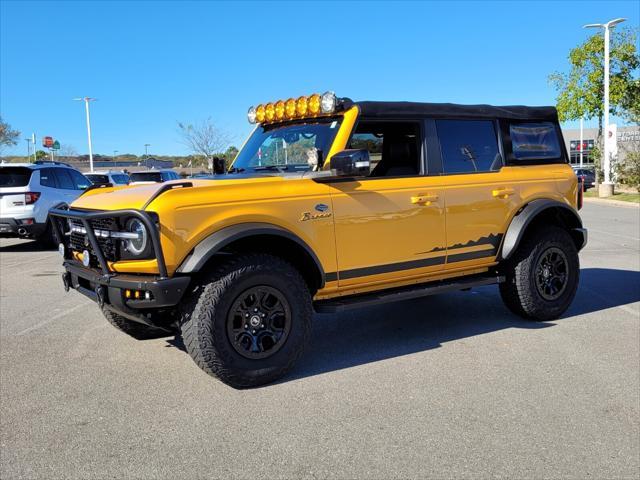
251, 115
86, 258
147, 295
61, 249
26, 221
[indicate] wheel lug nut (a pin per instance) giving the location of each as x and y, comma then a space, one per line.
246, 315
263, 315
246, 326
255, 309
253, 331
262, 325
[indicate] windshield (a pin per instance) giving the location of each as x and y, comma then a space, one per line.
146, 177
97, 178
301, 146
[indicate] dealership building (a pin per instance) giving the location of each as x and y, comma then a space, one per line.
628, 139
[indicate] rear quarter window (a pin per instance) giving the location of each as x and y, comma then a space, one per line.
14, 177
535, 141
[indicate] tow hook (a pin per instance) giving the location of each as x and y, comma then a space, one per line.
100, 295
66, 281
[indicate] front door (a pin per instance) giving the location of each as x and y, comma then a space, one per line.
390, 225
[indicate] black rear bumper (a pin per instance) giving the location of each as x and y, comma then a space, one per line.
9, 227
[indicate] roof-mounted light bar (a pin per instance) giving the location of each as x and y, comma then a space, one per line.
294, 108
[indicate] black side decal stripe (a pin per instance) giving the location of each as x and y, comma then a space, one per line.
397, 267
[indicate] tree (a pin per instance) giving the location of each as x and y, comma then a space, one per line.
230, 154
203, 138
67, 151
8, 137
581, 91
41, 155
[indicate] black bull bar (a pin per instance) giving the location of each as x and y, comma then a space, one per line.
58, 215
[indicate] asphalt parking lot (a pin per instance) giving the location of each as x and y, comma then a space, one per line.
447, 386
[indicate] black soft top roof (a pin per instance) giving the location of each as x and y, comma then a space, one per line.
451, 110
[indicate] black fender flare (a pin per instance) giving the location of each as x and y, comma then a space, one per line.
215, 242
529, 212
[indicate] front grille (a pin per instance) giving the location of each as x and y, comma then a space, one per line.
109, 246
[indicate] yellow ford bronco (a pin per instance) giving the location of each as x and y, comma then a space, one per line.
332, 204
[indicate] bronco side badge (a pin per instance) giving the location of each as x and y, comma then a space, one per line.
321, 208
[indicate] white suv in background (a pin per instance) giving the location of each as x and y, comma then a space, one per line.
29, 190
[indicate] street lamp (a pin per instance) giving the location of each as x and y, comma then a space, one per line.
146, 154
86, 101
28, 140
114, 155
606, 166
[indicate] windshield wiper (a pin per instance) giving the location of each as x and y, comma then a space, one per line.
279, 168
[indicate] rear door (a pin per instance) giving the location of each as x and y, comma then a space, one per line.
481, 195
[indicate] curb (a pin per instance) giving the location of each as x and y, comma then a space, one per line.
617, 203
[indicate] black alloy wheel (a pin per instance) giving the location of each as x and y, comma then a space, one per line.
551, 273
259, 322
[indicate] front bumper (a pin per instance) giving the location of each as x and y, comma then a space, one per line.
111, 289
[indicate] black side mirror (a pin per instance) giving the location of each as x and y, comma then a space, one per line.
351, 163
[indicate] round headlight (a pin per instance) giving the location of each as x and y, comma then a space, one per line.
314, 104
137, 245
328, 102
251, 115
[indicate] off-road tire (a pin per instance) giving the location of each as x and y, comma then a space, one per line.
206, 310
519, 291
47, 239
137, 330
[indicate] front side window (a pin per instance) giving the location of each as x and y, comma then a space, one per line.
394, 147
535, 141
98, 179
468, 146
64, 179
80, 182
296, 147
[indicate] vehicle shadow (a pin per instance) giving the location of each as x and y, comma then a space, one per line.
373, 334
26, 246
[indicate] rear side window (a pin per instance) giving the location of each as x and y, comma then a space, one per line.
468, 146
535, 141
48, 177
14, 177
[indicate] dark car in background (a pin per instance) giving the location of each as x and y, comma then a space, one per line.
587, 176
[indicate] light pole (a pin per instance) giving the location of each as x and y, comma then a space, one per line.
608, 189
28, 140
114, 157
86, 101
146, 154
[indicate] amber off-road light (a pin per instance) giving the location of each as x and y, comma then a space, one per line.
294, 108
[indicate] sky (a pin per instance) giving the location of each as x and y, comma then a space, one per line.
151, 64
